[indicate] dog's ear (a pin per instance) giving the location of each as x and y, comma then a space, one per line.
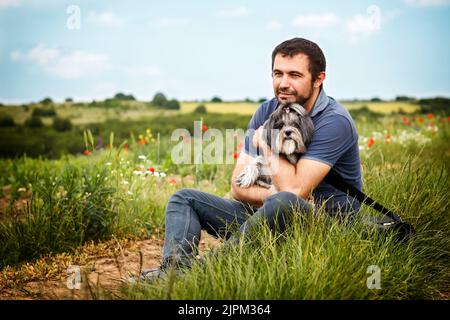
266, 131
306, 129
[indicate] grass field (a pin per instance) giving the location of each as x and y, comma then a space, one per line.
135, 110
250, 108
51, 207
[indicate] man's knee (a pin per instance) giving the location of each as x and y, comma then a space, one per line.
182, 195
288, 201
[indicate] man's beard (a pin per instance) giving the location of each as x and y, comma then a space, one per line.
296, 98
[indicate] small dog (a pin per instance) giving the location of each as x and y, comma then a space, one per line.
287, 132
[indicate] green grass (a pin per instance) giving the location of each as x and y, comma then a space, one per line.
324, 259
76, 199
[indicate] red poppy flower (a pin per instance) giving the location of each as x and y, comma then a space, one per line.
204, 127
371, 142
235, 155
173, 181
86, 152
151, 169
430, 116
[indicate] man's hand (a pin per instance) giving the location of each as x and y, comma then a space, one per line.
258, 140
257, 137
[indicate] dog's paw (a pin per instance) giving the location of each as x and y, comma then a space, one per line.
247, 177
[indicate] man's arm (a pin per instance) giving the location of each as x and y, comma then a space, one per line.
300, 179
255, 195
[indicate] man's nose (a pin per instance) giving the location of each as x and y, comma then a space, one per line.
284, 82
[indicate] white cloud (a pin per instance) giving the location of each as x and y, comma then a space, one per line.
361, 26
171, 22
79, 63
67, 66
106, 19
274, 25
147, 71
320, 21
427, 3
233, 13
42, 54
9, 3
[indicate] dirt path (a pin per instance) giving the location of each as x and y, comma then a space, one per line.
101, 274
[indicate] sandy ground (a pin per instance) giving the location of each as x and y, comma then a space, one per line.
102, 276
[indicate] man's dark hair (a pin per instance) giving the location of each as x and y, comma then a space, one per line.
295, 46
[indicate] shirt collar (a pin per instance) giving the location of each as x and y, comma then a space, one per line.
321, 103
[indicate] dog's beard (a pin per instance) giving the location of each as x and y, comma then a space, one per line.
289, 145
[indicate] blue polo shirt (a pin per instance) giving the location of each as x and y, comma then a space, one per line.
335, 142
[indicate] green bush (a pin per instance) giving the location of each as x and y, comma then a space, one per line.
121, 96
34, 122
7, 121
201, 109
67, 209
365, 112
61, 124
46, 101
171, 104
44, 112
159, 99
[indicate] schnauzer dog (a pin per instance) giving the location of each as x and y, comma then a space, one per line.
287, 132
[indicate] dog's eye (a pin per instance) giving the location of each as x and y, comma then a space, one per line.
278, 125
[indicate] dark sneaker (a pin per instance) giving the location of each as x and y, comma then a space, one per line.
153, 274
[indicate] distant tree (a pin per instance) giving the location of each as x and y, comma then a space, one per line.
61, 124
404, 98
262, 100
7, 120
46, 101
248, 100
439, 105
376, 99
216, 99
34, 122
121, 96
43, 112
171, 104
201, 109
69, 100
159, 99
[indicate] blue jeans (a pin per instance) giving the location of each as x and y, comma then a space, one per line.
189, 211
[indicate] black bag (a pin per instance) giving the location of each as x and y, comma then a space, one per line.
390, 222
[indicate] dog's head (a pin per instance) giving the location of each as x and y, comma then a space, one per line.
289, 129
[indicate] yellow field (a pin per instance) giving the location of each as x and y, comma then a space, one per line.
383, 107
138, 110
250, 108
222, 107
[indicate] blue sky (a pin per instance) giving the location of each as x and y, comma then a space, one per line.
197, 49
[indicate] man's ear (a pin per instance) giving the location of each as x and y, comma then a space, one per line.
320, 79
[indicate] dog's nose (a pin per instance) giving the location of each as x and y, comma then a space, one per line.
288, 132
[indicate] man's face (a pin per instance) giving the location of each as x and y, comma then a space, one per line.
292, 79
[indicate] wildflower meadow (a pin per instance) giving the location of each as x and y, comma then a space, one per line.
106, 196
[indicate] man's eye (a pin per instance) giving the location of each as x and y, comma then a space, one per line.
277, 74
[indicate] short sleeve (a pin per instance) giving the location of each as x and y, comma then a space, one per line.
256, 121
332, 138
